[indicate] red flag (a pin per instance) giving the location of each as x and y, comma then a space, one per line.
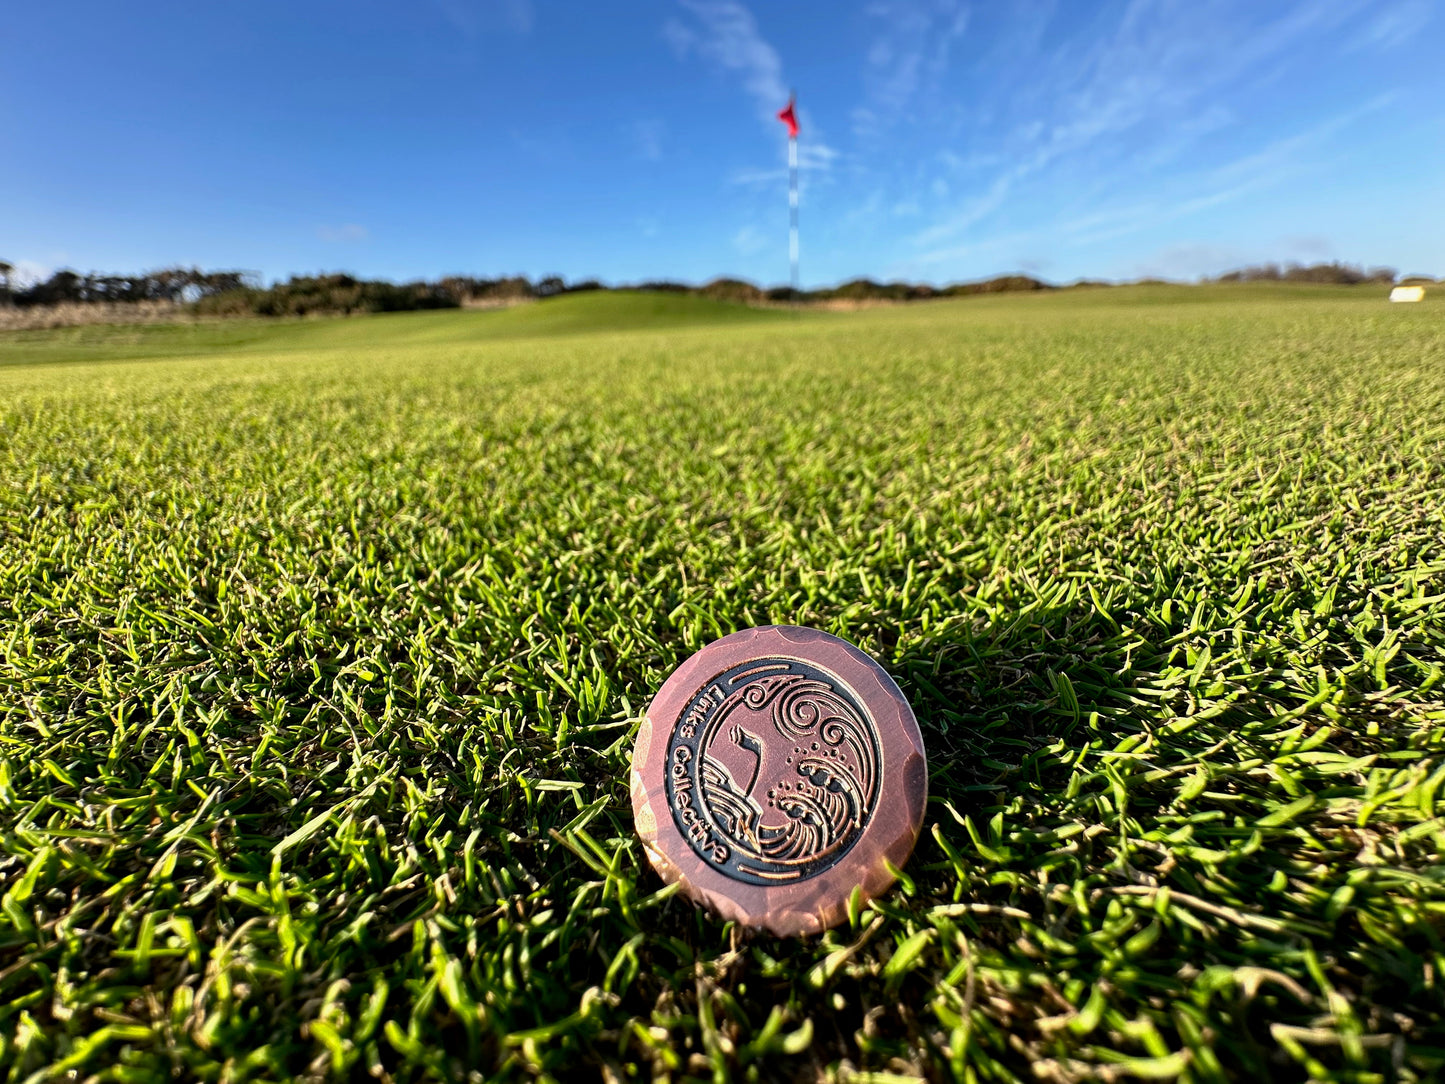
789, 117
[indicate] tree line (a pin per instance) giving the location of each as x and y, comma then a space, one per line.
1334, 274
240, 293
306, 295
176, 285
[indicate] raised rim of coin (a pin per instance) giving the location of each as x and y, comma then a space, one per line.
777, 770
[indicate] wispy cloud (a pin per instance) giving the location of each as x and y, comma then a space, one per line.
908, 57
993, 244
725, 33
812, 158
757, 178
1282, 160
1283, 157
750, 240
337, 235
975, 209
646, 137
728, 36
1200, 259
1184, 134
1397, 24
473, 17
1144, 90
1279, 162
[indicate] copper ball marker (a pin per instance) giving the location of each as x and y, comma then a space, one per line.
777, 770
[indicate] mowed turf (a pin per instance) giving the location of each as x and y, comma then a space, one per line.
325, 644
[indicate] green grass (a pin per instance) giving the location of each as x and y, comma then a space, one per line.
324, 646
578, 314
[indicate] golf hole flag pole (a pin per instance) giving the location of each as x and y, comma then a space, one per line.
789, 116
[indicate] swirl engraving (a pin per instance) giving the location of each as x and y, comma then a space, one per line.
775, 771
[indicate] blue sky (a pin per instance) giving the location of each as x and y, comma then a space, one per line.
942, 139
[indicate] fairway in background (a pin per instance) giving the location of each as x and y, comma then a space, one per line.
585, 313
325, 644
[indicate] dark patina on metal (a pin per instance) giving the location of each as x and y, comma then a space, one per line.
778, 770
773, 771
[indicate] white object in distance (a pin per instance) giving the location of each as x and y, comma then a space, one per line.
1408, 293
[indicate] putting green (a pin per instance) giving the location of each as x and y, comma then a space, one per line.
324, 644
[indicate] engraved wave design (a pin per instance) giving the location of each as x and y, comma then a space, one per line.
732, 810
759, 694
839, 791
811, 707
829, 800
820, 819
803, 706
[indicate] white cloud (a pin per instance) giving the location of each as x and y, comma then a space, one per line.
975, 210
992, 244
1396, 25
337, 235
728, 37
472, 17
1183, 135
1278, 162
975, 162
758, 178
909, 56
730, 40
1154, 78
1283, 156
812, 158
815, 156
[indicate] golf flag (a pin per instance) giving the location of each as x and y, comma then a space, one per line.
789, 117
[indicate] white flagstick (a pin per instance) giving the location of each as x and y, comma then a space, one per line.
793, 212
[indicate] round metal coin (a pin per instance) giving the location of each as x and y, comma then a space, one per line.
778, 770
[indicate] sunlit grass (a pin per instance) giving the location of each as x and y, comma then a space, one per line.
325, 644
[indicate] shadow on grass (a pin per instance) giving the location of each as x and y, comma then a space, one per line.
991, 697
